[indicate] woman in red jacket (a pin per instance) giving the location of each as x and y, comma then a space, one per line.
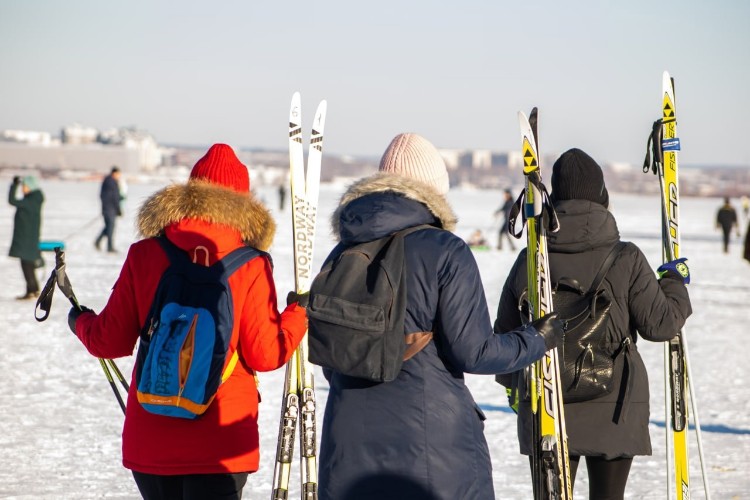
212, 214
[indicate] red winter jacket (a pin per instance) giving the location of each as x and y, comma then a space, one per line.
225, 438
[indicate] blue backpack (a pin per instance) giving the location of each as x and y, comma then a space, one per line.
185, 341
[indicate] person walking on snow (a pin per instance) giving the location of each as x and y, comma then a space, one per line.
27, 226
504, 210
613, 428
110, 197
726, 220
208, 217
420, 436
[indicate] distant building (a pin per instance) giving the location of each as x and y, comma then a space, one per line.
82, 148
76, 134
481, 159
27, 137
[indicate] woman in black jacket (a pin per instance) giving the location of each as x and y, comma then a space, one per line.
420, 436
27, 224
611, 429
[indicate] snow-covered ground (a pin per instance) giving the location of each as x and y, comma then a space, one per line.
60, 425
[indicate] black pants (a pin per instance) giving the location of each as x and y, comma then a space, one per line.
29, 274
725, 233
503, 233
108, 231
191, 486
607, 478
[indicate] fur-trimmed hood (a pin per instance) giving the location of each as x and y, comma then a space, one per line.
412, 189
215, 204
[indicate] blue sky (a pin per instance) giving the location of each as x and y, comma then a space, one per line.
456, 72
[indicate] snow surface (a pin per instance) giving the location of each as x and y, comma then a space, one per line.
60, 424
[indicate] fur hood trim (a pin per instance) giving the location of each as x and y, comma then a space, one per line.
413, 189
205, 201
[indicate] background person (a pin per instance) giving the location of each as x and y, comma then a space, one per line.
27, 226
110, 197
726, 220
504, 210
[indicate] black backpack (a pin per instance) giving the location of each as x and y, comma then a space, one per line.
357, 308
587, 367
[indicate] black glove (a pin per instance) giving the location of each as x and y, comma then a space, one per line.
73, 316
300, 298
551, 328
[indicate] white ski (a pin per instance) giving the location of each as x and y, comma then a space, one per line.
298, 403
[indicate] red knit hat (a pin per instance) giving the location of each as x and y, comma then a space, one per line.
222, 167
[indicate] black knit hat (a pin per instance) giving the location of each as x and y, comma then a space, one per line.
576, 176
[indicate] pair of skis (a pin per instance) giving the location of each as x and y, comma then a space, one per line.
549, 458
298, 402
661, 157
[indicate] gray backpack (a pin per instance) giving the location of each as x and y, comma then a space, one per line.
357, 308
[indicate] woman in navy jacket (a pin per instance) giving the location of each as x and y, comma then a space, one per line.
420, 436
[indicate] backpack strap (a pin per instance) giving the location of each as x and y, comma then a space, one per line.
415, 341
613, 253
239, 256
626, 345
403, 232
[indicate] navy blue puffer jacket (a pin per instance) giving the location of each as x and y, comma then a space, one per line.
421, 435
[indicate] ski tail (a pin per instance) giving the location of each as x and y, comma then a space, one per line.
550, 463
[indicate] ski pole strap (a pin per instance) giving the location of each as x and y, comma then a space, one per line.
57, 277
515, 210
44, 302
548, 213
654, 150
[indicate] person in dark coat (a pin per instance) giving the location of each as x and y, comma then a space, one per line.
111, 198
610, 430
746, 253
420, 436
504, 210
726, 220
27, 226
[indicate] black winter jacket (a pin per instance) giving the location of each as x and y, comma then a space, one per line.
420, 436
27, 224
614, 425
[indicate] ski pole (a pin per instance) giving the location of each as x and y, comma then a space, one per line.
694, 406
108, 374
44, 303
